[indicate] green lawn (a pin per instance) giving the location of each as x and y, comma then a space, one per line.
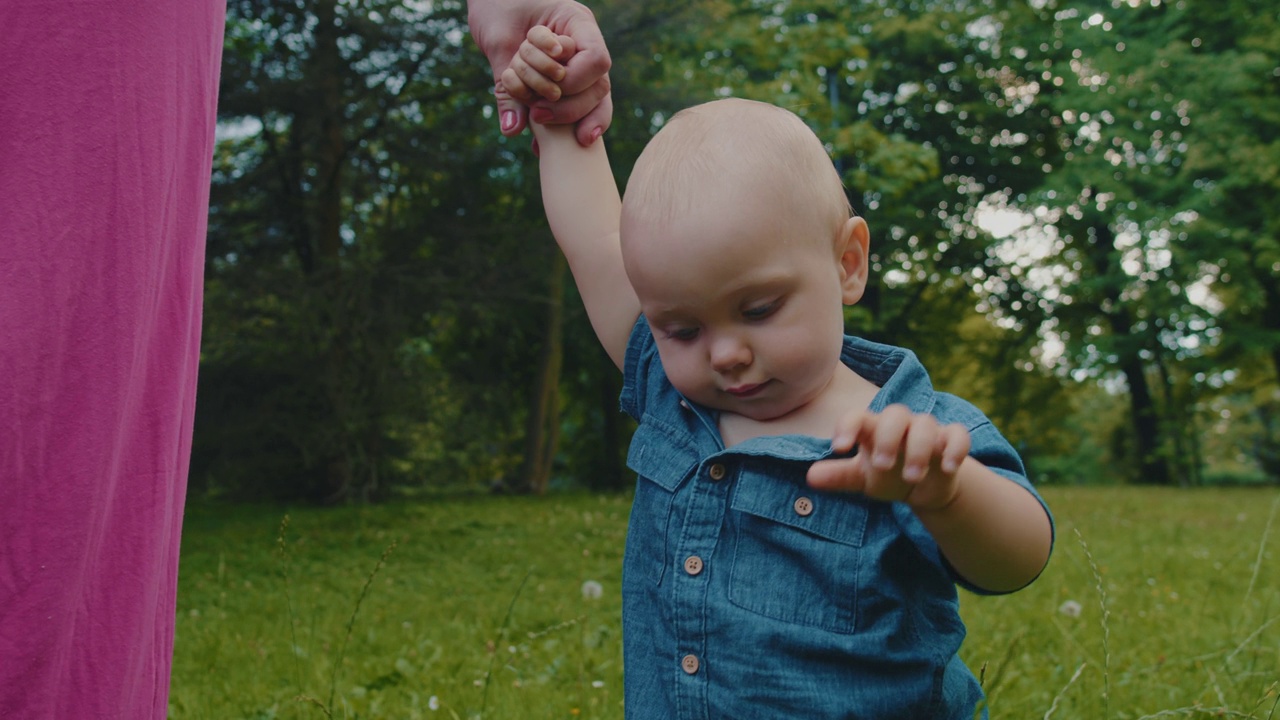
479, 611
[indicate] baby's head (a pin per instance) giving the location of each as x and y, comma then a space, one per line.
737, 238
725, 154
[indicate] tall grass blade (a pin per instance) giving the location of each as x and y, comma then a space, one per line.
288, 600
1053, 707
1106, 626
502, 631
351, 622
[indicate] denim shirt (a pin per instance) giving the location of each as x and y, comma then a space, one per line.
746, 594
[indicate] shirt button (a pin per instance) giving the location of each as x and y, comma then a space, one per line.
690, 664
803, 506
716, 472
693, 565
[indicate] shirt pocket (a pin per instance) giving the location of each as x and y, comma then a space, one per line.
796, 552
663, 461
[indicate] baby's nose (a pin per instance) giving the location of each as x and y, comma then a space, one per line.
728, 352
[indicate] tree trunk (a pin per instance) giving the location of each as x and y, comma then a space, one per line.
1271, 318
1153, 466
611, 472
542, 429
330, 151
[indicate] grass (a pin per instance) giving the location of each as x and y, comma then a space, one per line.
474, 607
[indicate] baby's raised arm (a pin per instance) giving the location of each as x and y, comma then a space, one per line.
584, 210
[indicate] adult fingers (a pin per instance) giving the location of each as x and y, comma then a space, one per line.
591, 61
573, 108
499, 41
512, 115
596, 122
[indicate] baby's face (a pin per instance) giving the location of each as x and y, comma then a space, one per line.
746, 307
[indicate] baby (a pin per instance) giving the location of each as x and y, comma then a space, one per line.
806, 501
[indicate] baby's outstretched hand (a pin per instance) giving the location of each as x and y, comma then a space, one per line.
538, 67
901, 456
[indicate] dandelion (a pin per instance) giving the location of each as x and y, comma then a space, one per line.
1070, 608
433, 703
592, 590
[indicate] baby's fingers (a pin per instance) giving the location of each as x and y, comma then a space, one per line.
953, 447
544, 39
886, 443
841, 474
538, 74
848, 429
512, 87
922, 443
537, 67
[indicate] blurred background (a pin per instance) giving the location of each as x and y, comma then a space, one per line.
1074, 205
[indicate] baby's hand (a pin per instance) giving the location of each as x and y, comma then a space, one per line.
901, 456
537, 69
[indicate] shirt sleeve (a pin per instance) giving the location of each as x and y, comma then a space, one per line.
989, 447
641, 358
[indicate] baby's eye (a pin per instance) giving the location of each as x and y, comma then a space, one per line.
683, 334
760, 312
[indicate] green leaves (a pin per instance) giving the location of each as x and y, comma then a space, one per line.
379, 269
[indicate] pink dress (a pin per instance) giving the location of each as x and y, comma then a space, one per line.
107, 112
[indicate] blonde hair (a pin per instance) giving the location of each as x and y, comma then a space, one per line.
745, 144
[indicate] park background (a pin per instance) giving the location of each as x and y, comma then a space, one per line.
1075, 216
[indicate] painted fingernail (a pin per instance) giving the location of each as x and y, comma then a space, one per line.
541, 115
883, 461
912, 473
508, 120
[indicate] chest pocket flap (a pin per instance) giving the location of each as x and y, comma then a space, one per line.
785, 499
661, 454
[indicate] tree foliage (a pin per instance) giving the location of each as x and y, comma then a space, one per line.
1128, 275
385, 310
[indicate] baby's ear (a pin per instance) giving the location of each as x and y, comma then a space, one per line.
853, 244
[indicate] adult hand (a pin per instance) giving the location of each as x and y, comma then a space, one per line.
499, 26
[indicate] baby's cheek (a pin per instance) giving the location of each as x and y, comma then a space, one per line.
686, 383
681, 372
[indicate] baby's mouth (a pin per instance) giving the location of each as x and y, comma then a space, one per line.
746, 391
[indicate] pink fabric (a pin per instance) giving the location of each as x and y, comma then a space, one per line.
107, 111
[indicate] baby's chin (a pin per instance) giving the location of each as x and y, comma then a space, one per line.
761, 412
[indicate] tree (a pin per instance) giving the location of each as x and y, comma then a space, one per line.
1130, 256
347, 224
